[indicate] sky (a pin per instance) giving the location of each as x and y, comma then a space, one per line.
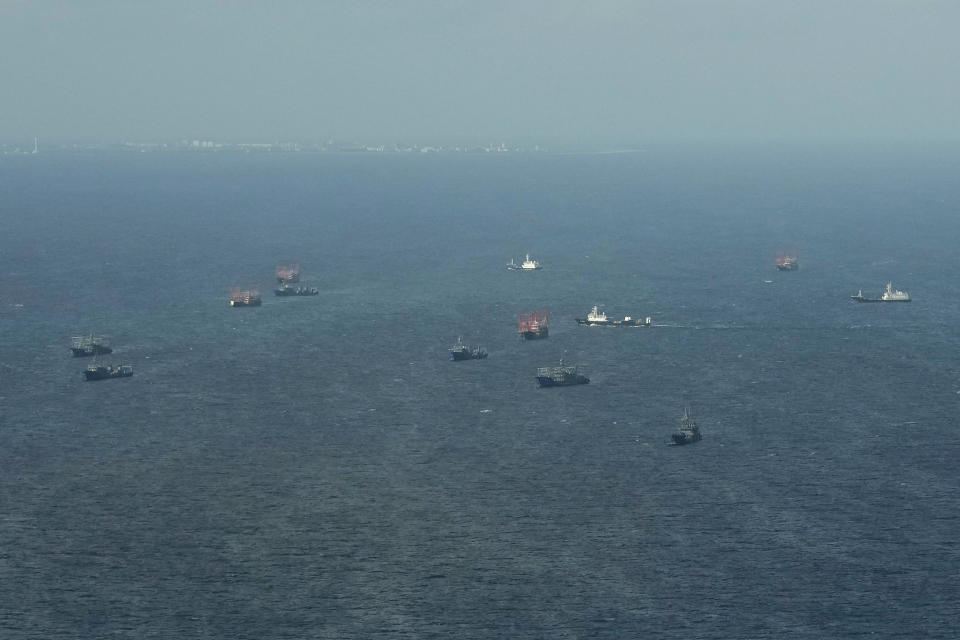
473, 72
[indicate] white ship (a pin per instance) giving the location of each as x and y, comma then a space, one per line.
529, 264
889, 295
597, 318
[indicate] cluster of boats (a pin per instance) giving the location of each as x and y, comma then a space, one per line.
288, 277
531, 326
791, 262
93, 346
535, 325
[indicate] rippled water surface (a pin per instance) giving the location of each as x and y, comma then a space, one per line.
318, 468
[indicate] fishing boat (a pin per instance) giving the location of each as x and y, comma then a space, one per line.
687, 431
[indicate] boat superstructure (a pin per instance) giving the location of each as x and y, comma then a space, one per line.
894, 295
596, 316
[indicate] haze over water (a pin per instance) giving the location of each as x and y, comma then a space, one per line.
317, 467
604, 74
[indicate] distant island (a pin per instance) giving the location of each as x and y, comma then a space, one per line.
213, 146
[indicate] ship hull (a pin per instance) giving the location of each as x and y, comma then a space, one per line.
872, 300
241, 303
458, 356
91, 376
535, 335
545, 381
679, 438
612, 323
788, 267
283, 293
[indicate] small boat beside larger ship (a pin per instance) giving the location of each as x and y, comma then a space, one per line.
597, 318
889, 295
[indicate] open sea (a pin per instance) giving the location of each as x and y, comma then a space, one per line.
319, 468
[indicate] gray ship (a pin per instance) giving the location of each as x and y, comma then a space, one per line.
85, 346
562, 376
688, 431
106, 372
460, 351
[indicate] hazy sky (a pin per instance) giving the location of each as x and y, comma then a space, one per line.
477, 71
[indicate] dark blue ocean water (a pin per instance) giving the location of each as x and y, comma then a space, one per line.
317, 468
